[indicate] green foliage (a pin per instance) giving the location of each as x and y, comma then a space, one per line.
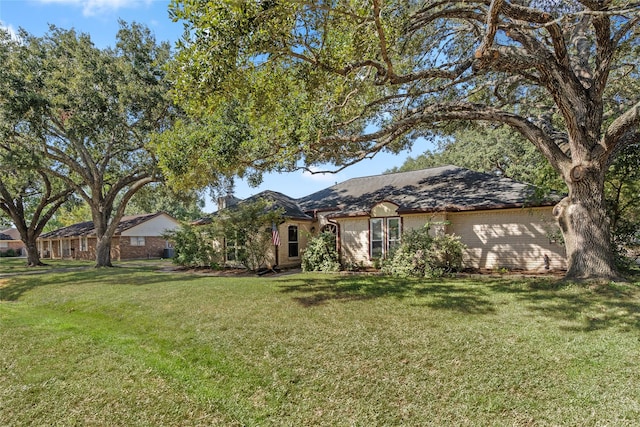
622, 193
90, 113
8, 253
194, 246
309, 83
159, 197
491, 149
422, 255
244, 229
248, 225
320, 254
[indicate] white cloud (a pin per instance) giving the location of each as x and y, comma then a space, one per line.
97, 7
314, 175
13, 33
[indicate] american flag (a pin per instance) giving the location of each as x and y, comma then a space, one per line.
275, 236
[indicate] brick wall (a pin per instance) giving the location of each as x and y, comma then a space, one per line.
153, 248
16, 245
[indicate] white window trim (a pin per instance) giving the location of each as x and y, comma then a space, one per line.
386, 240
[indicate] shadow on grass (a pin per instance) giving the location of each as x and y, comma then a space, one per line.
579, 307
12, 288
575, 307
445, 295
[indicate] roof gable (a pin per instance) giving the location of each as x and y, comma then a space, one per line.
10, 234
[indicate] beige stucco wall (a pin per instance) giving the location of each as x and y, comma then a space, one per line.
354, 240
414, 221
508, 238
384, 209
505, 238
304, 234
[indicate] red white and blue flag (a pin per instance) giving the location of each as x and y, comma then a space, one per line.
275, 236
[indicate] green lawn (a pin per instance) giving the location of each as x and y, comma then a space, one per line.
133, 346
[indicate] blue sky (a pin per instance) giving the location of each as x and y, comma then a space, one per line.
99, 18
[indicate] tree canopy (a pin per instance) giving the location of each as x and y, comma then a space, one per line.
276, 85
90, 112
29, 195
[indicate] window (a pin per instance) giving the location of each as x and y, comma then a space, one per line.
137, 241
84, 246
377, 238
393, 233
4, 245
231, 250
293, 241
384, 235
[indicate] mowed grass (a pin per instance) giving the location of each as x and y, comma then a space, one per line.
133, 346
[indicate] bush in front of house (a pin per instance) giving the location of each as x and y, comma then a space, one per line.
8, 253
193, 247
321, 254
423, 255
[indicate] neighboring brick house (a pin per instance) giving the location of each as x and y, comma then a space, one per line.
500, 220
137, 237
10, 240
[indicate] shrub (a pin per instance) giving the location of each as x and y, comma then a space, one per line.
194, 246
10, 253
422, 255
321, 254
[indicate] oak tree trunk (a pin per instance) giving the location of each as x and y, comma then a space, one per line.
33, 256
103, 252
583, 219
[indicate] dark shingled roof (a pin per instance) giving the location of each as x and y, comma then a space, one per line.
280, 201
86, 228
445, 188
10, 234
290, 206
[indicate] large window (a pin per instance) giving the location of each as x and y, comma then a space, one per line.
84, 244
293, 241
384, 235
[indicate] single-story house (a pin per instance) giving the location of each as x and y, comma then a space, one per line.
500, 220
10, 240
137, 237
293, 233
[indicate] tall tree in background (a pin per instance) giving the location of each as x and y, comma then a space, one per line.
29, 195
156, 197
92, 112
336, 82
500, 151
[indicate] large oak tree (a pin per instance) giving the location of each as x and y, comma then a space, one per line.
29, 195
90, 112
276, 84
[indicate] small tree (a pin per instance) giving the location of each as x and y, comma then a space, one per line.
194, 246
248, 225
321, 254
